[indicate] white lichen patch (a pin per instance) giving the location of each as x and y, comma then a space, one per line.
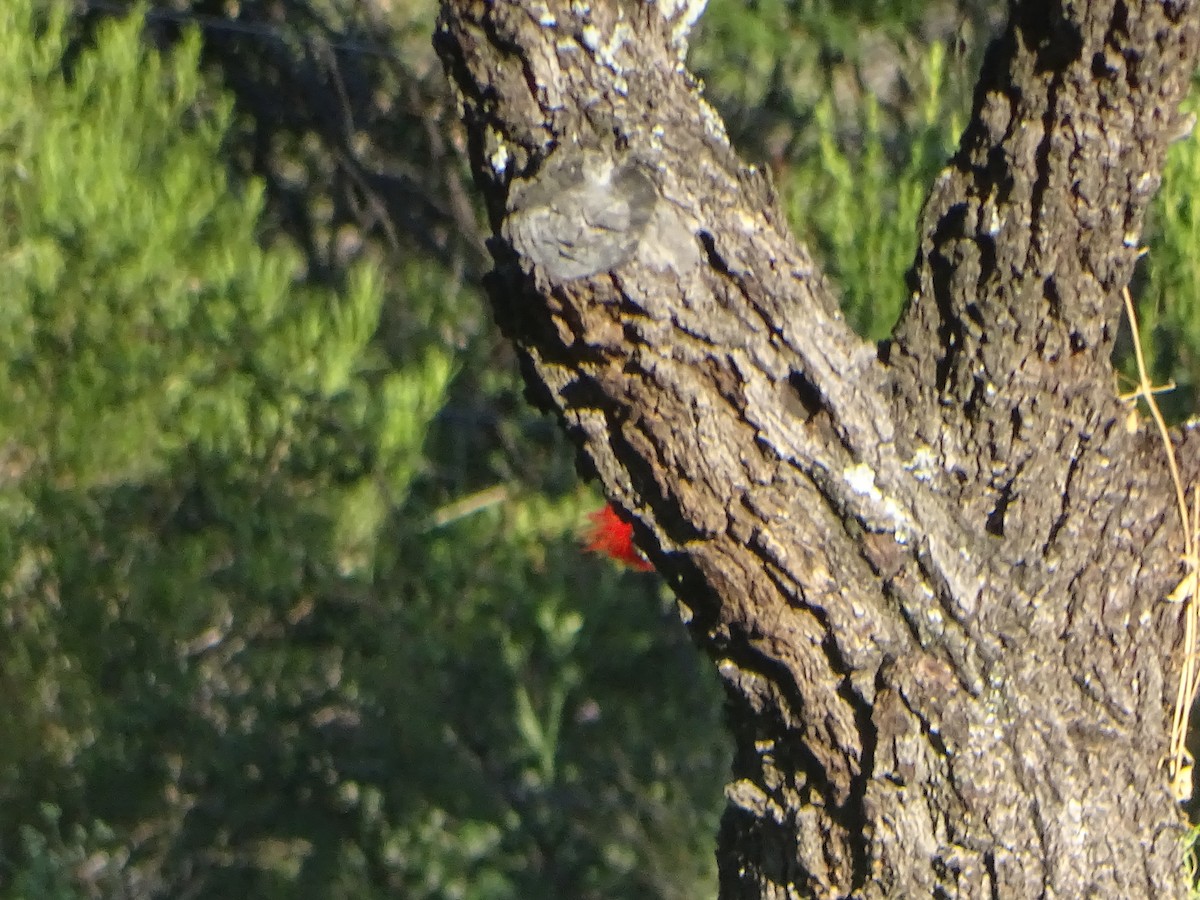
656, 141
605, 51
993, 220
747, 223
500, 158
861, 479
683, 16
923, 463
545, 17
892, 510
712, 123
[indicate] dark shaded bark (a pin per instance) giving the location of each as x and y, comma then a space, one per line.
933, 577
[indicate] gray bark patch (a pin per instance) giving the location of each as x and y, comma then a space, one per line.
583, 215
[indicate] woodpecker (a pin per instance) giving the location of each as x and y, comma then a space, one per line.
611, 536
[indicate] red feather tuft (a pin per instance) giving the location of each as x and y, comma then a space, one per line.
613, 537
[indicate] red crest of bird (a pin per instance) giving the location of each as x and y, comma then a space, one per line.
612, 536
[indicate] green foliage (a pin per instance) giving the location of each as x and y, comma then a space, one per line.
258, 637
755, 54
853, 116
291, 600
1188, 844
107, 312
55, 861
859, 208
1169, 298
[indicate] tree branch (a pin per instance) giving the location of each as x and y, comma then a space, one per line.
933, 583
1030, 234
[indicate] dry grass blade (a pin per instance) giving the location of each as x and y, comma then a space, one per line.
1179, 763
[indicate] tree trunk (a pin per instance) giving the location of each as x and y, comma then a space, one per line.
934, 574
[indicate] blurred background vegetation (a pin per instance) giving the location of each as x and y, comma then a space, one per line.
292, 602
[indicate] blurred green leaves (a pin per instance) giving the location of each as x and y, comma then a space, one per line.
859, 206
291, 597
1169, 293
258, 638
141, 315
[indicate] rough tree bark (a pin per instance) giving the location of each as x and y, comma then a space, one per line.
932, 574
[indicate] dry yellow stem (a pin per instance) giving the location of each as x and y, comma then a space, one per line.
1179, 761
